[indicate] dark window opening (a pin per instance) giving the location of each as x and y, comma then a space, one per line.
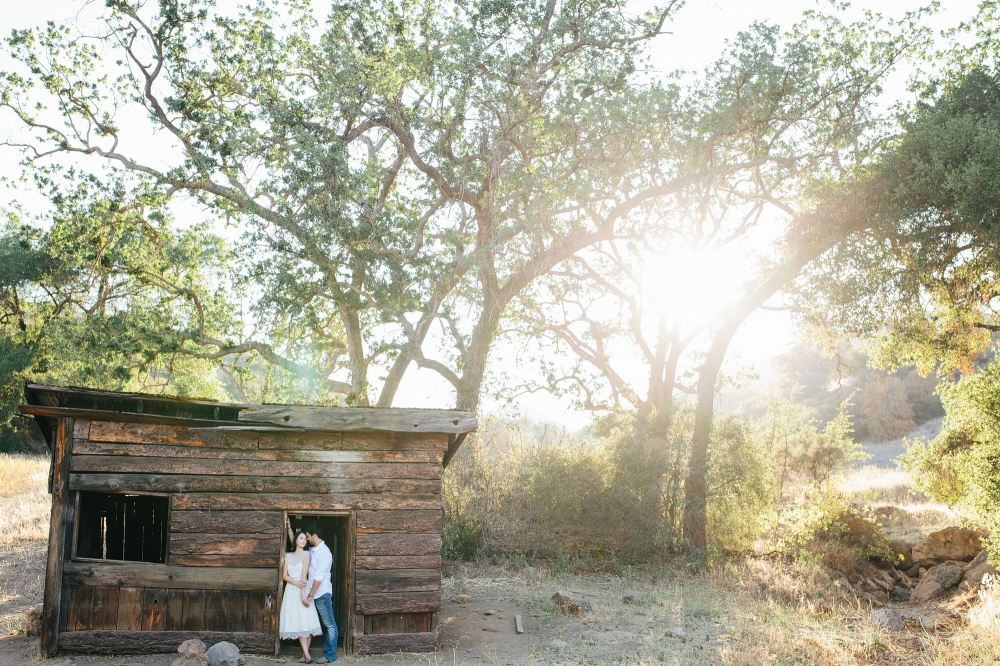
122, 527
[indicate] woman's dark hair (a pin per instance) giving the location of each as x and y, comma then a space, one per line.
296, 538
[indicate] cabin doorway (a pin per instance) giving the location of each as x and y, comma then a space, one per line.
337, 535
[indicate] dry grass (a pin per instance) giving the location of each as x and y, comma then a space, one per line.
24, 525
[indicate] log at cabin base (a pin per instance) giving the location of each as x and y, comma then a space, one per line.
231, 473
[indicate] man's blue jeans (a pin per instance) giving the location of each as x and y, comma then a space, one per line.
324, 606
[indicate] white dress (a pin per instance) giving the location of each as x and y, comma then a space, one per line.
297, 620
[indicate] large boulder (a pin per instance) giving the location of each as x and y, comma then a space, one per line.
937, 581
951, 543
978, 568
225, 654
572, 603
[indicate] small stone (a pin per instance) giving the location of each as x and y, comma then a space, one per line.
558, 644
33, 621
677, 632
225, 653
192, 653
572, 603
926, 589
900, 594
843, 583
887, 618
931, 622
461, 599
490, 612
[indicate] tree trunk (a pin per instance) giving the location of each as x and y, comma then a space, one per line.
809, 239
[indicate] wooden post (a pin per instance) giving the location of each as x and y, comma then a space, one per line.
61, 452
349, 573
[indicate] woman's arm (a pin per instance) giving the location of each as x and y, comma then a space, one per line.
305, 575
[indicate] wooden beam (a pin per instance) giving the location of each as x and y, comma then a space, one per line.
187, 449
384, 643
146, 642
414, 522
144, 574
401, 602
399, 562
209, 483
372, 581
361, 418
226, 522
125, 417
399, 544
262, 468
305, 502
52, 594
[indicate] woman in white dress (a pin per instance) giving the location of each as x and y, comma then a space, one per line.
299, 618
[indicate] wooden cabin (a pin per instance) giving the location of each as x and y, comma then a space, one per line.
171, 518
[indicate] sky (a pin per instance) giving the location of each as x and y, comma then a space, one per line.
699, 34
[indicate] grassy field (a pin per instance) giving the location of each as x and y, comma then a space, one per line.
741, 612
24, 524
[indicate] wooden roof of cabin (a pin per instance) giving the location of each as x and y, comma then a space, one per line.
53, 401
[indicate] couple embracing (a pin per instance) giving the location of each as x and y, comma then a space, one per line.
308, 596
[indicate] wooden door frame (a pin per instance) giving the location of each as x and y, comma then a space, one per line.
349, 558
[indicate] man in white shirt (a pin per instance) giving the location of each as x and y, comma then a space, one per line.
320, 589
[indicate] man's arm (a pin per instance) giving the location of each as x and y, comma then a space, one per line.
322, 570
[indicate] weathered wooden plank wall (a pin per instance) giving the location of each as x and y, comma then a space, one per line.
228, 490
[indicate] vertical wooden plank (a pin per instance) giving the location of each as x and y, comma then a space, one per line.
260, 612
52, 594
64, 607
194, 611
281, 583
81, 609
173, 610
105, 608
153, 605
349, 568
129, 609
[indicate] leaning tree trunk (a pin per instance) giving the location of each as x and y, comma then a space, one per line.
816, 234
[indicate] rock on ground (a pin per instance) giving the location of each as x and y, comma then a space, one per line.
900, 594
558, 644
951, 543
572, 603
936, 582
887, 618
225, 654
903, 552
461, 599
978, 568
192, 653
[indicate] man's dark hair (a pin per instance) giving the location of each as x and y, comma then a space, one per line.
315, 528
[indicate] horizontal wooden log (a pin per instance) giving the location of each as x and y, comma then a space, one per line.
225, 544
161, 434
399, 580
242, 561
386, 643
188, 483
398, 544
86, 447
226, 522
171, 465
144, 574
398, 562
403, 602
356, 441
415, 522
97, 415
358, 418
147, 642
305, 502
